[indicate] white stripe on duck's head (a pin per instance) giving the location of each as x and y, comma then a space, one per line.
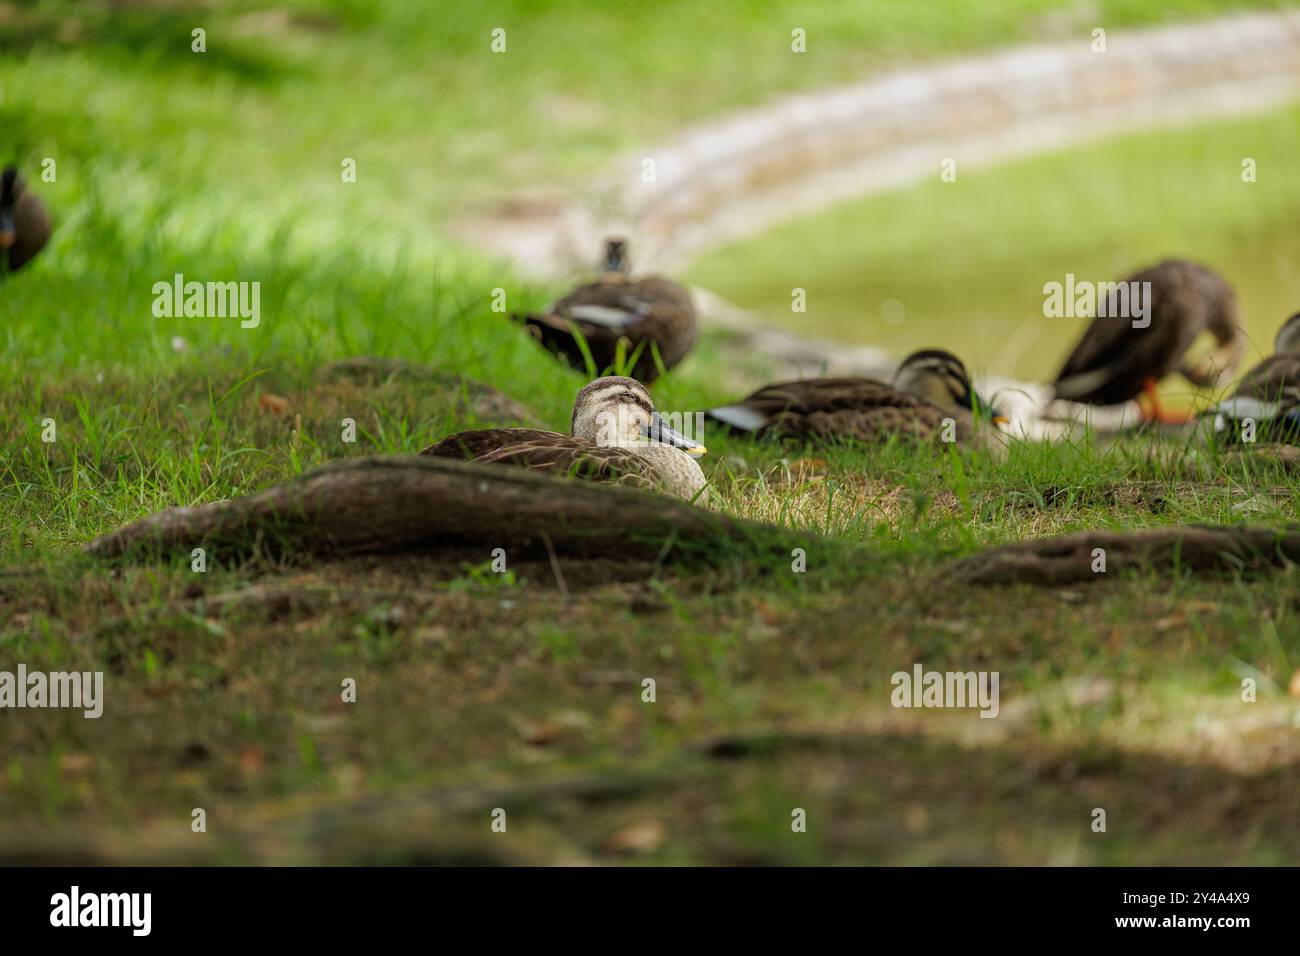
616, 410
940, 378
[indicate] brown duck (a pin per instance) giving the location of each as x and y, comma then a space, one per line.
1278, 376
1266, 405
24, 224
1115, 361
648, 316
616, 435
930, 389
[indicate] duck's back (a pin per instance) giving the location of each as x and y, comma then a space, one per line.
808, 396
473, 444
650, 465
651, 310
1114, 359
831, 408
1277, 378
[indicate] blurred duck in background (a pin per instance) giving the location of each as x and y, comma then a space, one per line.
930, 389
24, 224
1266, 404
1278, 376
1118, 358
940, 378
651, 319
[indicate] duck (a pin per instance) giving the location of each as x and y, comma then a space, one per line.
1115, 361
24, 224
615, 434
940, 378
1268, 397
650, 320
930, 389
1278, 376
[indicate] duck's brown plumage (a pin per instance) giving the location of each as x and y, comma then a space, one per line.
546, 451
32, 226
651, 310
472, 444
857, 408
1275, 379
1113, 361
655, 464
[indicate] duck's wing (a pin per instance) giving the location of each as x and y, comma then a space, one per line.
563, 454
646, 310
830, 408
923, 422
596, 311
804, 397
474, 444
1275, 379
1115, 357
610, 304
624, 305
1100, 358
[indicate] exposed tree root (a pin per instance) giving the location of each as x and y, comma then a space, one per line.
1073, 558
392, 504
1288, 456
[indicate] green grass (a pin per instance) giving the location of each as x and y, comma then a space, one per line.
438, 124
478, 690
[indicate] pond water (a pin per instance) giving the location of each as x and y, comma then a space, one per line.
962, 265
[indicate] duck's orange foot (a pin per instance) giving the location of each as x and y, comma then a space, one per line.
1152, 412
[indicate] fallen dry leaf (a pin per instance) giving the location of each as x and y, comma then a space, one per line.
543, 732
76, 762
640, 836
273, 404
251, 760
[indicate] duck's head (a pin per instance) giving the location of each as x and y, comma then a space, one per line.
940, 378
616, 256
618, 411
1288, 337
11, 187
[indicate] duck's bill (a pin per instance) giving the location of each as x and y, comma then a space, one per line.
661, 431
